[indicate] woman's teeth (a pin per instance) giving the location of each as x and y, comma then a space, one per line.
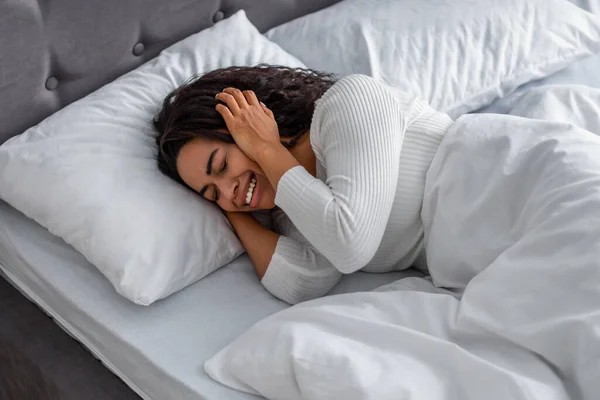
250, 190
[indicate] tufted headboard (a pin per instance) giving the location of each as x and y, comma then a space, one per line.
53, 52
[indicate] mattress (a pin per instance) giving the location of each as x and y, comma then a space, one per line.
159, 351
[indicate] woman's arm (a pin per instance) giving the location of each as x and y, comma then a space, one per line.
258, 241
358, 127
289, 268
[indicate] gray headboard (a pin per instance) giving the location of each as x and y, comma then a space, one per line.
53, 52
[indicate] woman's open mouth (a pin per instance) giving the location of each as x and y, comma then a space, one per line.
251, 190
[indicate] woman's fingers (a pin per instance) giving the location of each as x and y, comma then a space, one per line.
236, 100
230, 101
225, 113
266, 110
237, 95
250, 97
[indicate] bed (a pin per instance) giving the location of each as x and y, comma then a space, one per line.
157, 351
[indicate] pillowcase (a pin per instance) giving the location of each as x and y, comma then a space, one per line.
458, 55
88, 173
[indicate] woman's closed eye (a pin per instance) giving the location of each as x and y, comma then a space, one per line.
210, 193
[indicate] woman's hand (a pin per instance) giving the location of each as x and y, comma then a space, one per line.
255, 131
250, 122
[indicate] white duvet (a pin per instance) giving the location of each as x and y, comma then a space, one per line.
512, 219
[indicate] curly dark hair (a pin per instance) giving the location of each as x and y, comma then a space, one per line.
189, 111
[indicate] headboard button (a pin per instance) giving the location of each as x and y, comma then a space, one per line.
51, 83
138, 49
219, 15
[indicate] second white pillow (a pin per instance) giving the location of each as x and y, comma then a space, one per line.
459, 55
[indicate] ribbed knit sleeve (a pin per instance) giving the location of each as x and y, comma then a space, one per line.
357, 133
297, 272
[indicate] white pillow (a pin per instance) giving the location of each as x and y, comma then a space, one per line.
459, 55
88, 173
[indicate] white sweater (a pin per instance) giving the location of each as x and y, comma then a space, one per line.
373, 145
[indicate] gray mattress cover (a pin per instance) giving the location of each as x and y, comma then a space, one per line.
159, 351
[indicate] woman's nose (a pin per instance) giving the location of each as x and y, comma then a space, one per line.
228, 188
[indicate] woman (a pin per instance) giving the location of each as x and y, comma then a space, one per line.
341, 164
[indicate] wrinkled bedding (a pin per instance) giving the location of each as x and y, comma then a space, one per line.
572, 104
512, 213
512, 224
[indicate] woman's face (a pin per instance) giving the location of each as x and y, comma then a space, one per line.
222, 173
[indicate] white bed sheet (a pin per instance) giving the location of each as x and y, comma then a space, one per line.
159, 350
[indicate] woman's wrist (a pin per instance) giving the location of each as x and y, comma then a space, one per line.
275, 160
235, 218
259, 242
269, 152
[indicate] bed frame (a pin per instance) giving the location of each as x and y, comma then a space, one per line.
53, 52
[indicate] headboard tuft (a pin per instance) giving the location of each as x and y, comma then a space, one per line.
53, 52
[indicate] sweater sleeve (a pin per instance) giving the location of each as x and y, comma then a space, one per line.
357, 132
297, 272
